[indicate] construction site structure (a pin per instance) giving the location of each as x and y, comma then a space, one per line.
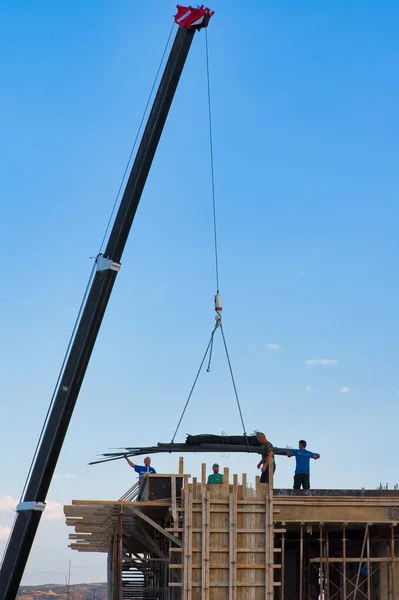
172, 537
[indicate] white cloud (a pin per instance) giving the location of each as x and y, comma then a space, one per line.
7, 503
308, 388
65, 476
274, 347
344, 389
322, 362
53, 511
4, 532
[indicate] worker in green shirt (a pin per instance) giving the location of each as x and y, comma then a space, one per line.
215, 477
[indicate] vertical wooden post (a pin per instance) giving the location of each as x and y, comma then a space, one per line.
361, 556
271, 472
244, 485
205, 545
120, 553
181, 465
114, 589
344, 559
109, 574
185, 541
203, 473
174, 504
233, 543
301, 565
321, 562
226, 475
393, 560
327, 569
187, 545
269, 542
282, 564
194, 486
368, 566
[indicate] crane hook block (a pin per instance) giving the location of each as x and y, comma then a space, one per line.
218, 303
189, 17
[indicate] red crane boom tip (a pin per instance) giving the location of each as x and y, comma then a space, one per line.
190, 17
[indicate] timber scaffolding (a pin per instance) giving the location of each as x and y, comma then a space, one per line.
171, 537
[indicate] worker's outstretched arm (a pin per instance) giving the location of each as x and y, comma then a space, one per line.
130, 462
316, 456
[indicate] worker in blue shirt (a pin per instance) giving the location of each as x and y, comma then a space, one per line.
302, 471
142, 470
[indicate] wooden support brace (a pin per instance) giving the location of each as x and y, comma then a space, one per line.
156, 525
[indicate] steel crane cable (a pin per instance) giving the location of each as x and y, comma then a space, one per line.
94, 265
218, 307
218, 318
215, 236
209, 346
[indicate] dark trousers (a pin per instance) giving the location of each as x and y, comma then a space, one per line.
302, 479
264, 478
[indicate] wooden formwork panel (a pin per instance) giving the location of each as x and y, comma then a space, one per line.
227, 543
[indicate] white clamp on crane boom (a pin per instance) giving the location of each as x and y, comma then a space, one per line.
103, 264
22, 506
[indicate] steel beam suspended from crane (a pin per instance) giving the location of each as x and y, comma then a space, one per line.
196, 443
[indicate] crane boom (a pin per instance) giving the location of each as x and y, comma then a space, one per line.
29, 511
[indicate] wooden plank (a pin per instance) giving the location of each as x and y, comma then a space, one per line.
244, 485
233, 544
156, 526
226, 510
226, 585
181, 465
267, 545
226, 477
194, 487
120, 551
174, 505
220, 530
185, 543
117, 503
205, 545
189, 517
347, 559
203, 473
258, 566
224, 549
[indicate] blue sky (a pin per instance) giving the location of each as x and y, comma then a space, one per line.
304, 100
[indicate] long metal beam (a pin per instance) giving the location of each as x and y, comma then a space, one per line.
182, 448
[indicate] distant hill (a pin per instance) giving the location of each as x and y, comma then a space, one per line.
80, 591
